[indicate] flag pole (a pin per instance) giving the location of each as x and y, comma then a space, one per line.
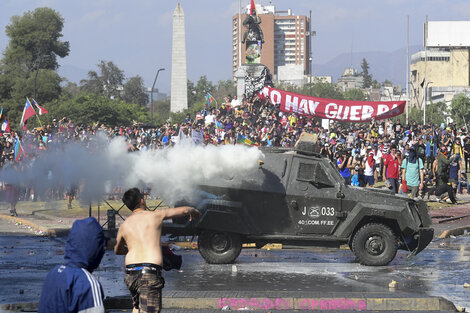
39, 119
35, 112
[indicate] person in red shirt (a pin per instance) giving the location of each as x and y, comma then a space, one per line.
392, 169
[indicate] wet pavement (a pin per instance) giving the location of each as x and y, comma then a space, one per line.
440, 270
26, 256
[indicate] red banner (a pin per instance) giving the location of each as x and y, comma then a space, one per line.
339, 110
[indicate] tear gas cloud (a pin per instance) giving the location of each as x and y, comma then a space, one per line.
171, 174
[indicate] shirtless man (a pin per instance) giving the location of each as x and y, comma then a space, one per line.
139, 239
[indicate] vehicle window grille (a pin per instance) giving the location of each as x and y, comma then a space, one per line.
306, 171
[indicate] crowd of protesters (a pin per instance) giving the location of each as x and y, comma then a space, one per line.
428, 160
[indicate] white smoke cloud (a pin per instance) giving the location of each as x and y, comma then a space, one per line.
172, 174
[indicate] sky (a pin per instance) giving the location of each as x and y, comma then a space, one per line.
136, 35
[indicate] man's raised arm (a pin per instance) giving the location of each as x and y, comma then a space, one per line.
181, 211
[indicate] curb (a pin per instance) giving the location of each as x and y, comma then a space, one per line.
282, 303
192, 245
455, 232
47, 231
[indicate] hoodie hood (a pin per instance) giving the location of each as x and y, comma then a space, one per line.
85, 244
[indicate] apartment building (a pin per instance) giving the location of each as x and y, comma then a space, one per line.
286, 50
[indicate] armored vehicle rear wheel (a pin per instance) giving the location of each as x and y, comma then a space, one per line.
219, 247
374, 244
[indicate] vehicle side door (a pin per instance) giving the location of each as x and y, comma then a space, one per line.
313, 197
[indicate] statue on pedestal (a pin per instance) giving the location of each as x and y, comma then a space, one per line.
253, 37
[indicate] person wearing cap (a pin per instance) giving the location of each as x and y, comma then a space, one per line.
54, 127
326, 151
344, 163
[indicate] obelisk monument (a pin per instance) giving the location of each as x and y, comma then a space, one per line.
179, 83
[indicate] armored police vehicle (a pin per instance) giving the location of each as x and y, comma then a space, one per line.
298, 197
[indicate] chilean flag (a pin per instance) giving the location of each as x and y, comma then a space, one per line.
40, 108
6, 126
28, 111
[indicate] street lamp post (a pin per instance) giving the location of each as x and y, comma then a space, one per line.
425, 101
37, 71
151, 92
310, 34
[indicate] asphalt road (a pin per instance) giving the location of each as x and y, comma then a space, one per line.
440, 270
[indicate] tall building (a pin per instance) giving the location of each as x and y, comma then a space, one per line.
286, 50
179, 81
443, 67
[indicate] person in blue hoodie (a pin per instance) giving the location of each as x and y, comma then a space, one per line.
71, 287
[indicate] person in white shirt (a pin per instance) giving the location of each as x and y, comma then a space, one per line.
235, 102
369, 165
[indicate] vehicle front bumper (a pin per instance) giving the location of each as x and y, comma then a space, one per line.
421, 240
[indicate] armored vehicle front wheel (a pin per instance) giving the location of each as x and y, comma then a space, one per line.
374, 244
219, 247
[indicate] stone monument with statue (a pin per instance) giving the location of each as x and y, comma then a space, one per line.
252, 76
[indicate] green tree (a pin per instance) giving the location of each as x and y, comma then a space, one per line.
223, 89
108, 82
33, 48
70, 90
92, 108
203, 86
367, 82
387, 83
34, 35
460, 109
354, 95
326, 90
134, 91
192, 98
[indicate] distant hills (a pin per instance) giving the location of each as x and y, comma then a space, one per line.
73, 73
382, 65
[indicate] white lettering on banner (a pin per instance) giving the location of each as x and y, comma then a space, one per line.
381, 109
331, 113
367, 111
346, 113
313, 106
303, 107
292, 102
275, 97
355, 113
265, 92
340, 110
